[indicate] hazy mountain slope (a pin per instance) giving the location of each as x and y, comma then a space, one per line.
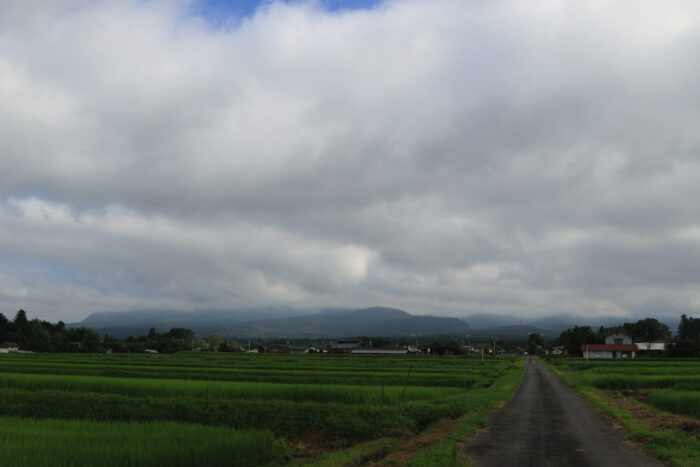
377, 321
271, 323
203, 323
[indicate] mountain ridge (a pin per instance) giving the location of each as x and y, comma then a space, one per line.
284, 323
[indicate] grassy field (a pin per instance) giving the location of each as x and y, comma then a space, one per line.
658, 400
238, 409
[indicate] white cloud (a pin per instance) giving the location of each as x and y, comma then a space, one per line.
442, 156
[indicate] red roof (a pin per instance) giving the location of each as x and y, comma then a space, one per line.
611, 347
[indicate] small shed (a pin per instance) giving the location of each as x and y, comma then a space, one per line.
7, 347
652, 348
558, 350
609, 350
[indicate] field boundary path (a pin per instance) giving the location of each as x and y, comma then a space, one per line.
548, 424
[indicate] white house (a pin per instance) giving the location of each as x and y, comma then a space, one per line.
618, 339
616, 346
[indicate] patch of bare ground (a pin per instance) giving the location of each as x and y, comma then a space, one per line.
636, 402
315, 442
311, 443
406, 451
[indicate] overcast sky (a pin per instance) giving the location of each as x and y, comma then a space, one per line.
444, 157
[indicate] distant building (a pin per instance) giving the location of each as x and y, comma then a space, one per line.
442, 350
413, 349
616, 346
7, 347
652, 348
618, 339
558, 350
379, 351
346, 345
277, 348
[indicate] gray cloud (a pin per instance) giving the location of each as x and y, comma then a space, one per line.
446, 157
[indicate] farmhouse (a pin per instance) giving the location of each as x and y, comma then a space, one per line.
616, 346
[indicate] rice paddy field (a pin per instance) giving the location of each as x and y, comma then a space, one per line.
239, 409
657, 400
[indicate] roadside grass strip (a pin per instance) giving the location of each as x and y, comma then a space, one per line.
597, 382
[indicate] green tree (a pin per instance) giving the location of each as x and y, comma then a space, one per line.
688, 336
649, 330
573, 339
36, 337
4, 326
21, 320
534, 341
215, 341
90, 341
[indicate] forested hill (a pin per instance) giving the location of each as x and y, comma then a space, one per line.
272, 323
375, 321
202, 322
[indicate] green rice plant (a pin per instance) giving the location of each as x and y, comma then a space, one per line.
221, 390
642, 382
680, 402
31, 442
338, 372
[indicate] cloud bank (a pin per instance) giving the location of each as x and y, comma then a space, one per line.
445, 157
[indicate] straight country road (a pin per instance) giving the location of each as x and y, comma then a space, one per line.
548, 424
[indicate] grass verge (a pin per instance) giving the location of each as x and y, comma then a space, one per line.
673, 446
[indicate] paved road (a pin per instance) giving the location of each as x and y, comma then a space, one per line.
548, 424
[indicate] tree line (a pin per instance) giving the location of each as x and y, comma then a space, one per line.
42, 336
685, 344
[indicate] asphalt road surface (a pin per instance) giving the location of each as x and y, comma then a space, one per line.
548, 424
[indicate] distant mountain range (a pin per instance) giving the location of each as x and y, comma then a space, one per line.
202, 322
276, 323
285, 323
377, 321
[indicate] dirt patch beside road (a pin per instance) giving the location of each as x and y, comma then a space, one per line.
655, 420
